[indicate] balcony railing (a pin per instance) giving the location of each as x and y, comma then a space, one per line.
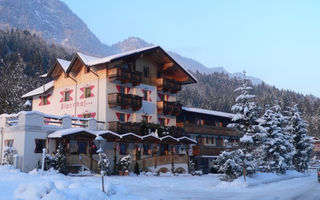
125, 101
206, 129
125, 75
119, 127
169, 108
168, 85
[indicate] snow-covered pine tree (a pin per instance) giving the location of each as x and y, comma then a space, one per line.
302, 143
60, 160
230, 164
124, 163
8, 155
276, 149
245, 122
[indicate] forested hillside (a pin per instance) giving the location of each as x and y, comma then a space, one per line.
23, 58
216, 91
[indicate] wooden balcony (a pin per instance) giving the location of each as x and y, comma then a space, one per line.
119, 127
135, 78
207, 151
125, 101
119, 99
118, 73
168, 85
205, 129
125, 75
169, 108
135, 102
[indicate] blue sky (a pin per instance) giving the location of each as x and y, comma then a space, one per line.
276, 41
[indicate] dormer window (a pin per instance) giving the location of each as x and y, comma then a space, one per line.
87, 70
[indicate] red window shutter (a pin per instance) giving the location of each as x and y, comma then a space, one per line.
82, 90
168, 120
41, 101
128, 90
118, 115
91, 88
70, 98
150, 100
118, 87
48, 102
166, 97
128, 116
62, 98
80, 115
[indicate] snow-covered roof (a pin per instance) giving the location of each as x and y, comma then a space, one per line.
91, 60
208, 112
40, 90
169, 137
187, 138
108, 132
64, 64
70, 131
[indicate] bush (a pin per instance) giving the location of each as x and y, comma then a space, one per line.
8, 157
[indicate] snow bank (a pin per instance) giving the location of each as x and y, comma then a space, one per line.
260, 178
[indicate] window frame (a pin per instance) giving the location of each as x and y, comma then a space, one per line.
45, 100
37, 150
146, 71
87, 92
8, 142
67, 96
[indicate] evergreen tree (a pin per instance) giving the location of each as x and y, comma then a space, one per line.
302, 143
136, 168
245, 122
230, 164
275, 149
60, 160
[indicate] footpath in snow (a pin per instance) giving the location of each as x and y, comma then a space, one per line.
51, 186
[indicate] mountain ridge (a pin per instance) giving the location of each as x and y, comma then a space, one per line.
55, 22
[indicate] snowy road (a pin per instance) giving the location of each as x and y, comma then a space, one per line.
17, 185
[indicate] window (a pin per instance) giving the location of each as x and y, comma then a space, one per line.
123, 149
145, 95
40, 144
67, 96
87, 115
161, 97
146, 71
146, 149
162, 121
122, 117
87, 70
45, 100
87, 93
164, 149
122, 90
82, 147
8, 143
145, 118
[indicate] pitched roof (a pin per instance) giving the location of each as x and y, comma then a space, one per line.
92, 60
40, 90
70, 131
209, 112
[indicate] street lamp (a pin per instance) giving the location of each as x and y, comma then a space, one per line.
99, 140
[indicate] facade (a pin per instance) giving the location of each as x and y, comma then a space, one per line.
209, 129
129, 99
316, 149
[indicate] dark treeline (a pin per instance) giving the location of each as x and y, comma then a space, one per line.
23, 58
216, 91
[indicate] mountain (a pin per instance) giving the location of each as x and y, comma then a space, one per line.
53, 21
56, 23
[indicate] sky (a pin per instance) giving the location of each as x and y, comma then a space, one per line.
276, 41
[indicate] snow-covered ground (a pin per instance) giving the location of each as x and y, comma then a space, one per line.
17, 185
